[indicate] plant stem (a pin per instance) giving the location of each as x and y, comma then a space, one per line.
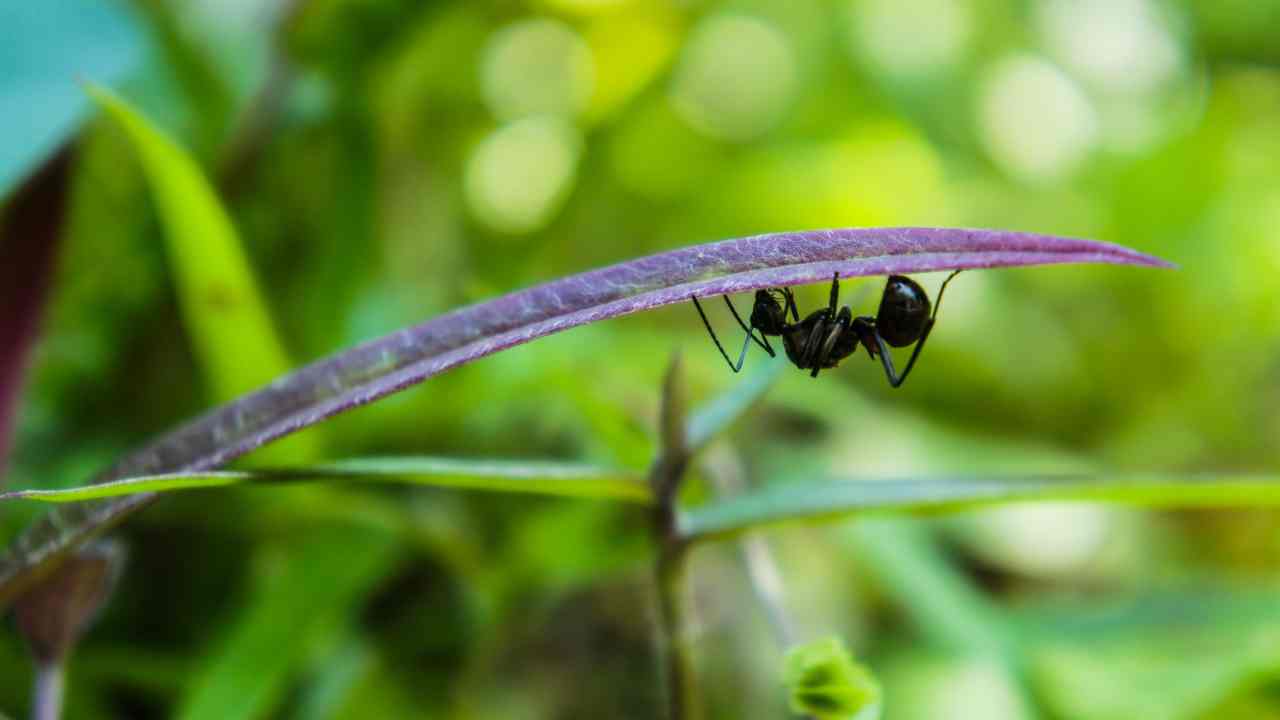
47, 703
676, 653
665, 478
253, 128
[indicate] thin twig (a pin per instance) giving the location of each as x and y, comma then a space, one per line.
254, 127
47, 701
724, 469
766, 581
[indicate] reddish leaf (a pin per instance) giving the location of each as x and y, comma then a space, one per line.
28, 245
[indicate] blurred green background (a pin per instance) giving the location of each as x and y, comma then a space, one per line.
387, 160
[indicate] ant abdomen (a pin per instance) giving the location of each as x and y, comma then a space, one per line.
904, 310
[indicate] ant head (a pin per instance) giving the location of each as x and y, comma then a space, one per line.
769, 314
765, 299
904, 310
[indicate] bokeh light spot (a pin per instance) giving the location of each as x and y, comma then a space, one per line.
586, 7
539, 66
877, 173
735, 78
1040, 540
938, 32
519, 176
630, 49
1119, 46
1036, 122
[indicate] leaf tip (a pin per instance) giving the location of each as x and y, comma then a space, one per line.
1141, 258
98, 93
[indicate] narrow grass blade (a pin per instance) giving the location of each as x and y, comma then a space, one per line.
231, 330
542, 478
220, 300
709, 420
402, 359
814, 501
523, 476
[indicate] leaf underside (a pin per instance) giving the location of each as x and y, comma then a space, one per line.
404, 358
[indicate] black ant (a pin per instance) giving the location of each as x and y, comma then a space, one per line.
826, 337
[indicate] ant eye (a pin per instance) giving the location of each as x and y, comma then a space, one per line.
904, 308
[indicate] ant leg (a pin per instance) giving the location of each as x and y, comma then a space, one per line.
841, 326
812, 348
791, 305
942, 290
816, 354
788, 303
838, 328
711, 332
741, 357
762, 341
896, 380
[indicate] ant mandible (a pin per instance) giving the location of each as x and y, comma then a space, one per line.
826, 337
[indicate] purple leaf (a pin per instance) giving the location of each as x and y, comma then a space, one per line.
404, 358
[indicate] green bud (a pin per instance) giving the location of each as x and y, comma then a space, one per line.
824, 681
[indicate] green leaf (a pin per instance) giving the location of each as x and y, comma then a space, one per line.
943, 603
939, 600
832, 499
546, 478
713, 418
234, 337
1167, 656
336, 679
823, 680
46, 46
524, 476
305, 595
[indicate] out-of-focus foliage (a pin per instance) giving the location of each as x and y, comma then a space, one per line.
412, 157
824, 681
